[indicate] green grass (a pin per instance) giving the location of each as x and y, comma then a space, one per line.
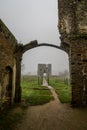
62, 88
29, 82
9, 119
36, 97
33, 93
32, 96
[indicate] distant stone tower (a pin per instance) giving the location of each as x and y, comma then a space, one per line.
43, 69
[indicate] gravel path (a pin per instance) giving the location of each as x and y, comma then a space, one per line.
54, 116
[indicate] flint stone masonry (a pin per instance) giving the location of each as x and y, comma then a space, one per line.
73, 29
44, 69
10, 66
72, 16
7, 64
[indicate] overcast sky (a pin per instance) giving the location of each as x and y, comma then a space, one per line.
35, 20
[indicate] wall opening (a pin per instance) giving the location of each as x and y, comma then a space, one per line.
7, 85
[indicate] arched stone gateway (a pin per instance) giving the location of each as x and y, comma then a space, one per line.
73, 30
20, 50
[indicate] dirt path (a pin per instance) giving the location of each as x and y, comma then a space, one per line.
54, 116
51, 89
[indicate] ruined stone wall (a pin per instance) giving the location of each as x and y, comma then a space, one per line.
10, 65
73, 30
72, 17
7, 46
7, 58
78, 69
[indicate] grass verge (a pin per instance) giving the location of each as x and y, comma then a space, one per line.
10, 117
62, 89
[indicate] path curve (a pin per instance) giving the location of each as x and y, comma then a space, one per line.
51, 89
53, 116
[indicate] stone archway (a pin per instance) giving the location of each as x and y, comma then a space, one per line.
20, 50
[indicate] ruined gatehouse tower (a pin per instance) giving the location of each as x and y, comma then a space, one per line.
44, 69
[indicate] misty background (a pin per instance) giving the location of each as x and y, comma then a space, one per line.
30, 20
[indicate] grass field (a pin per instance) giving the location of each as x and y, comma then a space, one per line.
33, 93
34, 96
62, 88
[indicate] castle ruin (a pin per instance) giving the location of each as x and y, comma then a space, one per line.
73, 30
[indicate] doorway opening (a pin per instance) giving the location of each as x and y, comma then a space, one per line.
7, 90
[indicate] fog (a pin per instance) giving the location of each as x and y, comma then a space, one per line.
31, 20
